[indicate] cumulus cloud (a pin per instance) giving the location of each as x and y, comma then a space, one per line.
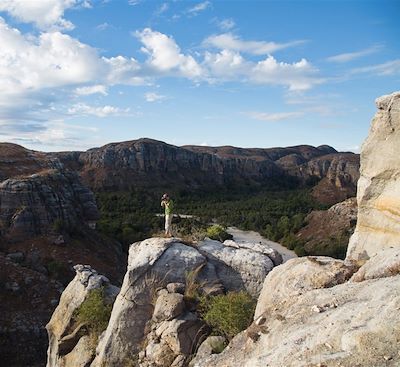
45, 14
231, 42
99, 111
298, 75
277, 116
226, 64
165, 55
346, 57
93, 89
32, 69
153, 97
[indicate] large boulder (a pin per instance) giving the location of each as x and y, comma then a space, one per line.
378, 195
144, 303
155, 263
351, 324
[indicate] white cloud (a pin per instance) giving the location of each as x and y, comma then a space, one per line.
93, 89
50, 135
298, 75
33, 68
99, 111
122, 70
165, 55
199, 7
345, 57
276, 116
226, 64
226, 24
232, 42
153, 97
134, 2
103, 26
45, 14
384, 69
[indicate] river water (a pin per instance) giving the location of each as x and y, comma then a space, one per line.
251, 236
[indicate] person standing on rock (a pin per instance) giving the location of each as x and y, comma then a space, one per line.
168, 206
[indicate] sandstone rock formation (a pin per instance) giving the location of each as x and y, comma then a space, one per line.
378, 195
338, 325
32, 205
69, 343
145, 162
318, 311
151, 321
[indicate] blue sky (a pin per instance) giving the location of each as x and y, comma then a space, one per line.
76, 74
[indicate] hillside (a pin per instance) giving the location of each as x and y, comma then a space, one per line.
49, 211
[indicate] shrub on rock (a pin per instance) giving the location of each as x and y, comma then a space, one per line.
228, 314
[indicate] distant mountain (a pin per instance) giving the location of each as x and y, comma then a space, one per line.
151, 163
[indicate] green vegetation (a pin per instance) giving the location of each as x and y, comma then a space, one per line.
228, 314
218, 232
335, 246
276, 213
129, 216
58, 270
94, 311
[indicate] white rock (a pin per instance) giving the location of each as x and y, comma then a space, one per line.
378, 192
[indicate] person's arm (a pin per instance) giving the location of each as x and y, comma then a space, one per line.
163, 203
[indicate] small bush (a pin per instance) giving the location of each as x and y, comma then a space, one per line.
94, 311
228, 314
217, 232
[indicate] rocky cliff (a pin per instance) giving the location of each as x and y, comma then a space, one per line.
151, 321
378, 193
31, 205
147, 162
316, 311
45, 210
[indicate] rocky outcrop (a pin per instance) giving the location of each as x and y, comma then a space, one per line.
318, 311
327, 232
69, 343
306, 326
31, 205
378, 195
151, 320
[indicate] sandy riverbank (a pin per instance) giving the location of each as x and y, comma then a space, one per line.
251, 236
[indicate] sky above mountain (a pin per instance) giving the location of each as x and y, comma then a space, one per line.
76, 74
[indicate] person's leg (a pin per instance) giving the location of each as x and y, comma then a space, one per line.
169, 225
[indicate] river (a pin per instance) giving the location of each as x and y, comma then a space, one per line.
251, 236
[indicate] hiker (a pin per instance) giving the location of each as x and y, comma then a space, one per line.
168, 206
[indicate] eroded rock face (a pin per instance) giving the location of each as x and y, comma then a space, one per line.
309, 313
145, 162
329, 327
378, 195
150, 319
31, 205
69, 343
158, 261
